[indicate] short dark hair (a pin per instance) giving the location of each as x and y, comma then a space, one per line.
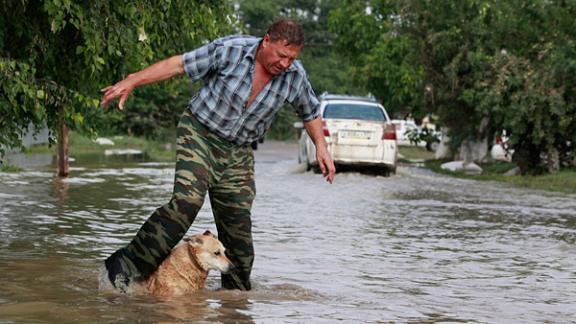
286, 29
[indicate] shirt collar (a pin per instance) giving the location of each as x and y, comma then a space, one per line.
251, 53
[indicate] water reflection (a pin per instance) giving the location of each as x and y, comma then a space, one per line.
415, 247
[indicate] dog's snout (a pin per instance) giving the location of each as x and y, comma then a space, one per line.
231, 268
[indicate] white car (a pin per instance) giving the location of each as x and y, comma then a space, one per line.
358, 132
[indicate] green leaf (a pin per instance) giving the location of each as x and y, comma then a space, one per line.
90, 44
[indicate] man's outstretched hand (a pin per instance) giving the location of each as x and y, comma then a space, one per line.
159, 71
121, 89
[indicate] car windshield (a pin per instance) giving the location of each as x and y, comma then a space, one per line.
353, 111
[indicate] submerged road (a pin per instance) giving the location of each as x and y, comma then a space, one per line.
413, 247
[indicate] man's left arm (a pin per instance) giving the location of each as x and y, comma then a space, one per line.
308, 108
325, 162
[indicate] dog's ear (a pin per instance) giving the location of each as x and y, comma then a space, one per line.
208, 233
194, 241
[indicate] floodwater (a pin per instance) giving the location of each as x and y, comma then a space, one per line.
415, 247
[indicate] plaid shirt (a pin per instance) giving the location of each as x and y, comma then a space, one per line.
226, 67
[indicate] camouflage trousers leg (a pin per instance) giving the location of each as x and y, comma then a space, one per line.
231, 200
205, 163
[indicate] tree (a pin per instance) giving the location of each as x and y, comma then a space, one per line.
482, 66
56, 54
383, 60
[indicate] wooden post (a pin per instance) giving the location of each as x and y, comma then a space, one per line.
63, 167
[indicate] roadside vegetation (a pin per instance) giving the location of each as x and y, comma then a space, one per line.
410, 154
562, 181
9, 168
157, 150
480, 67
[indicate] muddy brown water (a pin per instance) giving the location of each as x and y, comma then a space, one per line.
415, 247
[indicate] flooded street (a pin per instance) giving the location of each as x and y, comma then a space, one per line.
415, 247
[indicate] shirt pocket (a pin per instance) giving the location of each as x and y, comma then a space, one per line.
277, 96
232, 77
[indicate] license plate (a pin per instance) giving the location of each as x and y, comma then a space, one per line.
356, 134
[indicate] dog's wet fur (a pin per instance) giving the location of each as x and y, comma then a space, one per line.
184, 271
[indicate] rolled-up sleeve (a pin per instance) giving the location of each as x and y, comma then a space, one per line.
306, 103
201, 61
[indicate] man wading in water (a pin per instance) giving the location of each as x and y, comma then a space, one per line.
245, 81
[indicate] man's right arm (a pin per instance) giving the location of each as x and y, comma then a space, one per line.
159, 71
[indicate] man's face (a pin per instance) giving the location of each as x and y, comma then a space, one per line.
277, 56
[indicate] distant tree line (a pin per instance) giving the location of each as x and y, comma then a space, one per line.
481, 66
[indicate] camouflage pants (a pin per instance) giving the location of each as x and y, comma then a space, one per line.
205, 164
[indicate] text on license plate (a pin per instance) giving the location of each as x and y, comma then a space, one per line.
355, 134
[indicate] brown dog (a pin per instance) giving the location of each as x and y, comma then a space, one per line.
186, 268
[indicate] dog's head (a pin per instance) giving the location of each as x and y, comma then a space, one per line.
209, 252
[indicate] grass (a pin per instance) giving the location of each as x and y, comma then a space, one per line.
10, 168
563, 181
156, 150
411, 153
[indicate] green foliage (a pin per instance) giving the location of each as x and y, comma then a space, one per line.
382, 58
426, 135
481, 66
410, 154
8, 168
152, 112
59, 53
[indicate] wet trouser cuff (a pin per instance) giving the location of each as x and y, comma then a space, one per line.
121, 269
236, 280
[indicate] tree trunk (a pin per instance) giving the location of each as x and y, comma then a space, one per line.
528, 158
474, 150
553, 160
63, 167
444, 151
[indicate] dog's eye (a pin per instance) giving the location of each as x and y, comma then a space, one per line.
217, 253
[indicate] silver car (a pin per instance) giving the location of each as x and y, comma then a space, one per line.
358, 132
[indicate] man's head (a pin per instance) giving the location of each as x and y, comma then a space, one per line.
280, 46
288, 30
